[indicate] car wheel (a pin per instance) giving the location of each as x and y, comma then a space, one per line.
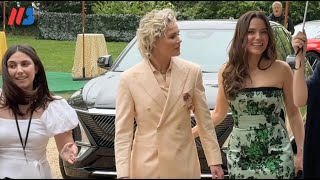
76, 133
313, 59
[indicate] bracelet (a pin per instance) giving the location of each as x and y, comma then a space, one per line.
298, 67
305, 59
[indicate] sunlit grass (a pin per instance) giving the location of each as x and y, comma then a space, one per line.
58, 56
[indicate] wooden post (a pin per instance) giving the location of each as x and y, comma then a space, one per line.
83, 53
286, 15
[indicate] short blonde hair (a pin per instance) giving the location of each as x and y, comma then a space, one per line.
151, 27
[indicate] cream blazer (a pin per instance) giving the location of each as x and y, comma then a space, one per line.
162, 145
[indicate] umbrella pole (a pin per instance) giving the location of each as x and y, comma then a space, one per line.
83, 25
286, 15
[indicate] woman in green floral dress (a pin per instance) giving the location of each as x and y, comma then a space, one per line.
256, 87
259, 145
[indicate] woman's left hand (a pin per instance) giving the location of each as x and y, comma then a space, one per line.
69, 152
300, 41
298, 163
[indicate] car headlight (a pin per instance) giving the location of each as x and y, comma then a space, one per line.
84, 142
76, 101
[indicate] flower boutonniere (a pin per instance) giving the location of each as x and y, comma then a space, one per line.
188, 102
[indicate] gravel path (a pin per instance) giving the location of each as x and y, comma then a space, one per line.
52, 154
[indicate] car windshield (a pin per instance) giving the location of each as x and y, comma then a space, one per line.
206, 47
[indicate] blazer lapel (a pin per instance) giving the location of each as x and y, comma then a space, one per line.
151, 86
178, 80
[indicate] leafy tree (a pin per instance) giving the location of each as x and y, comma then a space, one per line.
138, 8
66, 6
227, 9
202, 10
61, 6
296, 11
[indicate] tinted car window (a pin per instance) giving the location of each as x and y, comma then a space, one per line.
208, 48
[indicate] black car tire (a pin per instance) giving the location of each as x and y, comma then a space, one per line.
76, 133
313, 58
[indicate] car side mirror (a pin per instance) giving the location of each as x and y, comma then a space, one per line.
105, 62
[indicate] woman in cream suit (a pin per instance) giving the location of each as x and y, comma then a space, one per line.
159, 93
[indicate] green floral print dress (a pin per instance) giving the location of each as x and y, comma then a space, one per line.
259, 145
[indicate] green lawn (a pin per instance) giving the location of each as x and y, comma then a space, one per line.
58, 56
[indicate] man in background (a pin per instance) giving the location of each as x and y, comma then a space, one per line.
278, 17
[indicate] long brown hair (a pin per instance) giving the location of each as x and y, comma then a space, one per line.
236, 71
12, 95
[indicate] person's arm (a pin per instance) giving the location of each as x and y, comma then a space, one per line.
221, 109
124, 124
66, 147
300, 90
206, 128
294, 115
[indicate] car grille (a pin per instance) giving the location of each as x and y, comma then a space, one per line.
222, 130
102, 129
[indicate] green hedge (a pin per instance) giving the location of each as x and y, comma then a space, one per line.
31, 30
66, 26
